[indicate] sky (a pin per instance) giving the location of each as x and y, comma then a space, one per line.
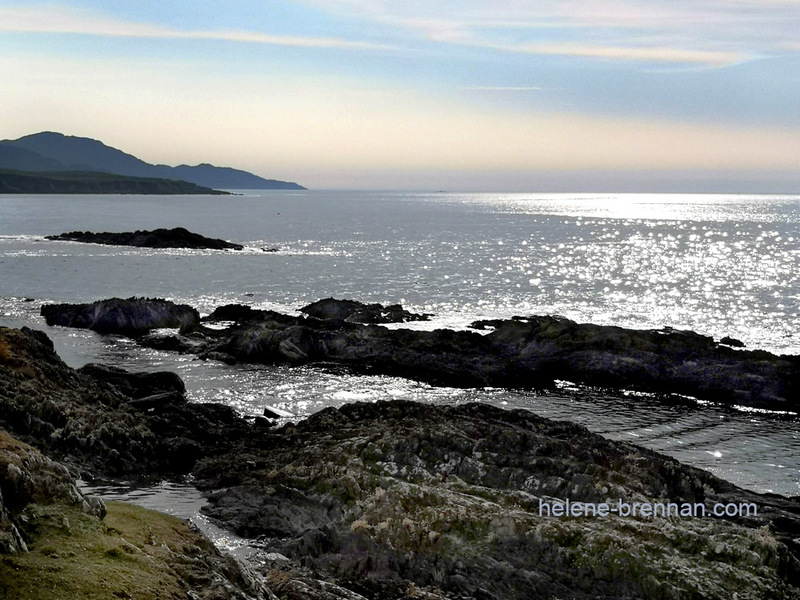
507, 95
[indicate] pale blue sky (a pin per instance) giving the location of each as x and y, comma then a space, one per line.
627, 94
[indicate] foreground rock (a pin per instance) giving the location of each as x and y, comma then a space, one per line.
403, 500
102, 420
177, 237
450, 499
28, 477
132, 317
57, 543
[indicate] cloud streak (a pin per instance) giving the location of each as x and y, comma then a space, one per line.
58, 20
716, 33
644, 54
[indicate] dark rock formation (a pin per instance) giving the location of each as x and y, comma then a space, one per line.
529, 352
449, 498
732, 342
238, 313
177, 237
136, 385
102, 420
330, 309
667, 360
145, 390
132, 317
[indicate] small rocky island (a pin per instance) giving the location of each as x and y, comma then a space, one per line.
373, 501
177, 237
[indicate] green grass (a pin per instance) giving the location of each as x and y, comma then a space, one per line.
133, 553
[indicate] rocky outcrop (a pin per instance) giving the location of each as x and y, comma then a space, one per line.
528, 352
27, 477
177, 237
451, 500
404, 500
139, 387
132, 317
102, 420
330, 309
666, 360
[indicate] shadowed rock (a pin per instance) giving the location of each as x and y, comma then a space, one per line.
177, 237
331, 309
132, 317
527, 352
137, 385
103, 419
233, 312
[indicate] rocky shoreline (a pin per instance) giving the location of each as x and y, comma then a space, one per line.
521, 352
399, 499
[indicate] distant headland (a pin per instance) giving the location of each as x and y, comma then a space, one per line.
69, 159
87, 182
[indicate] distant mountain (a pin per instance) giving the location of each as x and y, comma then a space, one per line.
13, 157
93, 182
51, 151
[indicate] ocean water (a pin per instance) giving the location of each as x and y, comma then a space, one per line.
717, 264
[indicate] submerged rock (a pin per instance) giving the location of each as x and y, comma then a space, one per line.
177, 237
352, 311
132, 317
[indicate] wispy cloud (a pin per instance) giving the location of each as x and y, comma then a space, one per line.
503, 88
54, 19
645, 54
716, 33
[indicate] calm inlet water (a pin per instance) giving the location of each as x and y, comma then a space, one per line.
720, 265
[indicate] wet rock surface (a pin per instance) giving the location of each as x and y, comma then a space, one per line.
177, 237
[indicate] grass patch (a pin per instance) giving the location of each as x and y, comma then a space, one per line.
134, 553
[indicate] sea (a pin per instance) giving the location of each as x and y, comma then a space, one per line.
721, 265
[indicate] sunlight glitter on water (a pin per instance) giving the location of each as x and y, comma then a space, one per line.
719, 265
